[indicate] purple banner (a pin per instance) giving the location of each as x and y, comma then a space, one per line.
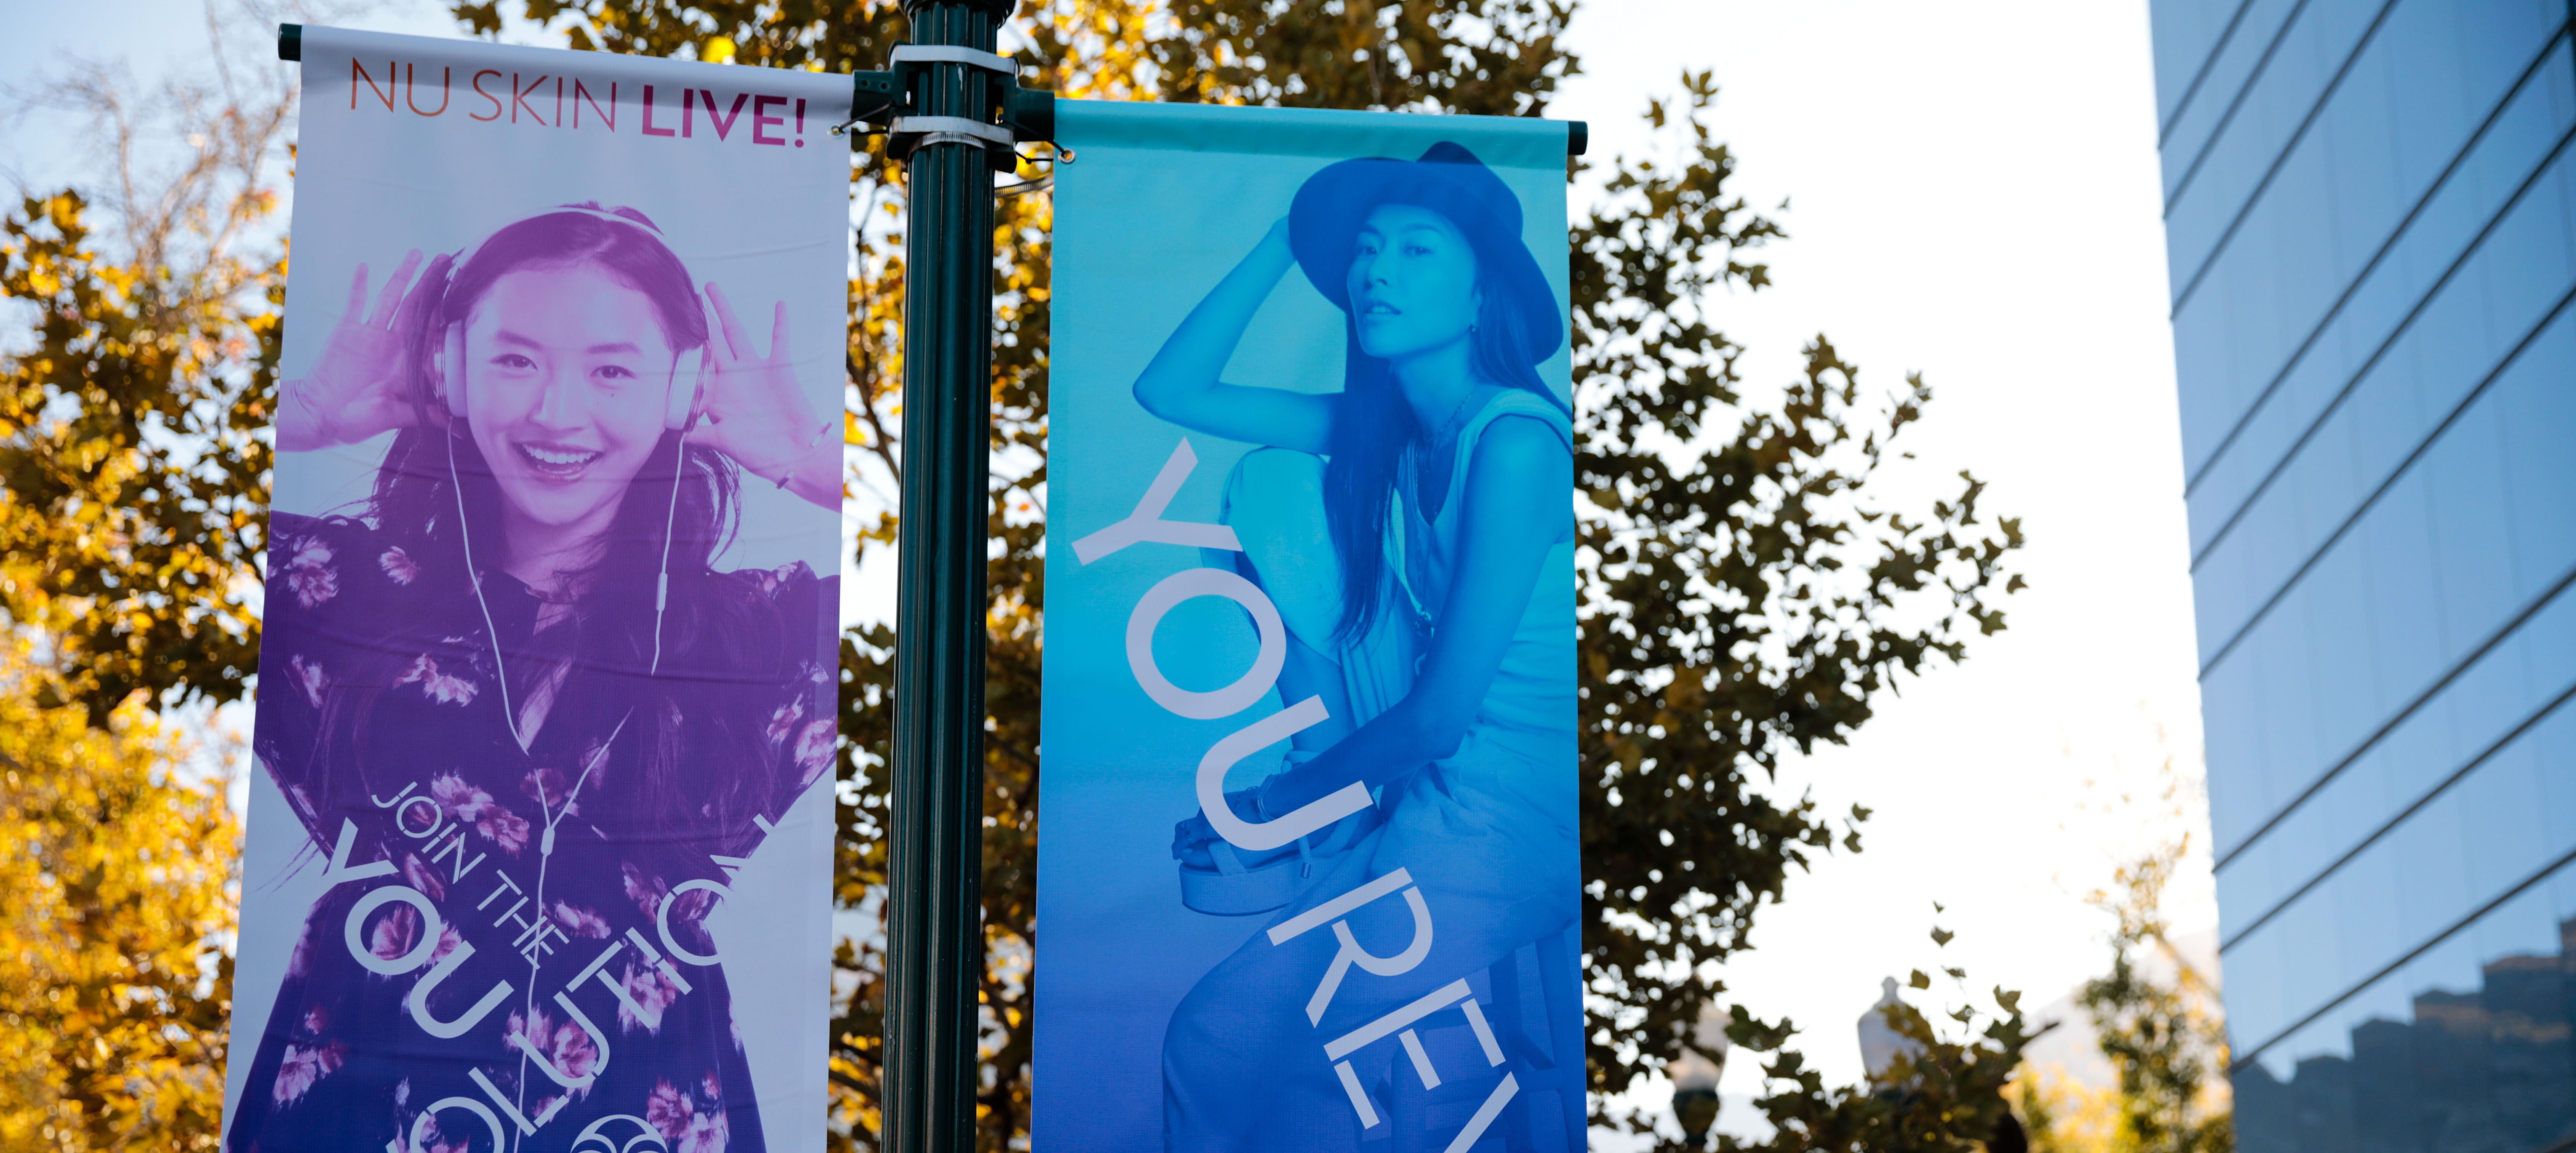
539, 849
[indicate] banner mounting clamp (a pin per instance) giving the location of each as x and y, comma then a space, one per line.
953, 54
1009, 115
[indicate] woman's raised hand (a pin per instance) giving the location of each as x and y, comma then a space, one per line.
1182, 383
355, 390
758, 415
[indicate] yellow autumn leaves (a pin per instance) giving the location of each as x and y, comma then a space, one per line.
116, 875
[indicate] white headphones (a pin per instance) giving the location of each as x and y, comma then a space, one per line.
677, 415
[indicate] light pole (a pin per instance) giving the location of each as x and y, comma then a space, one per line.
1695, 1074
952, 111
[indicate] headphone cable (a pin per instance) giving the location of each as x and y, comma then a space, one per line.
670, 521
491, 632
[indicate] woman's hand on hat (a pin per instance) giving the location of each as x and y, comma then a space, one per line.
1185, 384
755, 411
356, 389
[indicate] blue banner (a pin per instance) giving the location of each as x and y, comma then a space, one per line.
1310, 875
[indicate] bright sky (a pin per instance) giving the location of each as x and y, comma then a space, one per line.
1973, 195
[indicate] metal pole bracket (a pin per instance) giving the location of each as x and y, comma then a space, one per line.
883, 102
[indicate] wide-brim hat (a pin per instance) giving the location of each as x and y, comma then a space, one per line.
1324, 226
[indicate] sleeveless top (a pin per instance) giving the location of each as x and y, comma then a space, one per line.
1533, 690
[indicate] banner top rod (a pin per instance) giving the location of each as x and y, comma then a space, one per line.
1578, 134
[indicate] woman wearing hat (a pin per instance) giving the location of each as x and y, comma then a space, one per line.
1440, 476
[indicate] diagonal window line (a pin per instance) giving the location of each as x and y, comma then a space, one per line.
2390, 481
2386, 246
2457, 775
2404, 324
2241, 1063
2458, 668
2164, 131
2280, 159
2236, 103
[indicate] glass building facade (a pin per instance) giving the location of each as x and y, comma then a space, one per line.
2370, 212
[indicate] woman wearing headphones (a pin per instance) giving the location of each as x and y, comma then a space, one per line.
527, 721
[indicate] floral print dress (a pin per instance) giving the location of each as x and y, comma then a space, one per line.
512, 941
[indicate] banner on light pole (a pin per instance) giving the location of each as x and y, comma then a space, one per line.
1310, 876
539, 848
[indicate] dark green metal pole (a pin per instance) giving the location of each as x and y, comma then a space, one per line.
935, 952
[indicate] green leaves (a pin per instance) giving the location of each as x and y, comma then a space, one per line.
1942, 1093
1747, 592
1483, 57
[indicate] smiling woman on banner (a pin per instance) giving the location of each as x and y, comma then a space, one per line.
528, 721
1416, 532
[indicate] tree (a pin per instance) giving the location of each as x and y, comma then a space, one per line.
1941, 1095
133, 479
2159, 1022
2155, 1014
2061, 1114
1747, 593
1743, 599
113, 991
132, 490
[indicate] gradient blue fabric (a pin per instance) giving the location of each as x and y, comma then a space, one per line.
1196, 638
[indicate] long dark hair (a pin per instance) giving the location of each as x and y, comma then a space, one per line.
1371, 428
716, 644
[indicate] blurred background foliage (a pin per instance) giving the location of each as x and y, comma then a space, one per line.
118, 873
1749, 584
135, 377
2157, 1018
